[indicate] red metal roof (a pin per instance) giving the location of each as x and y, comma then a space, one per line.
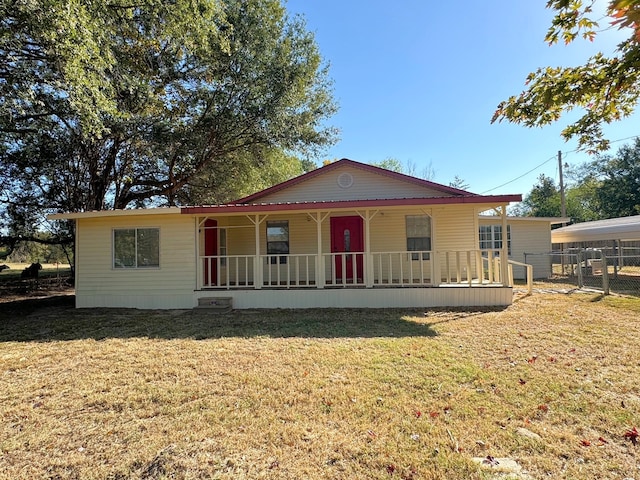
351, 204
363, 166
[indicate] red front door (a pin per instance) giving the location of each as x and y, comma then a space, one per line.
210, 250
347, 236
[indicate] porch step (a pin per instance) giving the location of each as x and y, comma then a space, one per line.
219, 304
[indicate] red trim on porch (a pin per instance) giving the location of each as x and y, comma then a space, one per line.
350, 204
352, 163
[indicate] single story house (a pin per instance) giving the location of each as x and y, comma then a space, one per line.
344, 235
528, 241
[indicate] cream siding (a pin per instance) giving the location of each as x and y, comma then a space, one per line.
366, 185
532, 238
389, 234
169, 286
456, 231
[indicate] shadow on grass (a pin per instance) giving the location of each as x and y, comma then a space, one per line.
56, 319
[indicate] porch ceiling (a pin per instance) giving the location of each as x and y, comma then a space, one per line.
489, 200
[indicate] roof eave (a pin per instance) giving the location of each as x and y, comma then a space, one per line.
351, 204
114, 213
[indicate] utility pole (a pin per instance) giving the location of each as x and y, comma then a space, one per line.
563, 206
563, 202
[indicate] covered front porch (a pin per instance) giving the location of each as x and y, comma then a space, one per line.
342, 249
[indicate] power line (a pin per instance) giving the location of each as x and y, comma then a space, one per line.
548, 160
523, 175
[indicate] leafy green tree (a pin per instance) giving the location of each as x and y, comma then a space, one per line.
605, 89
390, 163
607, 187
119, 104
459, 183
543, 200
619, 190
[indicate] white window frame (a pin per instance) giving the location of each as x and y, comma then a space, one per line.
416, 256
135, 253
493, 237
278, 257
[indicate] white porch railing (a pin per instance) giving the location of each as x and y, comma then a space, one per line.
377, 269
471, 267
288, 270
230, 271
529, 274
402, 268
344, 269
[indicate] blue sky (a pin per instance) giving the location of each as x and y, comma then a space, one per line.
418, 81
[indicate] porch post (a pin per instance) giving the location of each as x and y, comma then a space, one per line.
319, 218
436, 272
320, 280
257, 264
368, 258
368, 273
504, 252
199, 269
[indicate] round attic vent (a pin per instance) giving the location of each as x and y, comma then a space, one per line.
345, 180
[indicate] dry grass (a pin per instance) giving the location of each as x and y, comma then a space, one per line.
118, 394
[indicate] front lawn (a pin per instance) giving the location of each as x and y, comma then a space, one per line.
118, 394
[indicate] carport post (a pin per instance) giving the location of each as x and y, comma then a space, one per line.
579, 268
605, 274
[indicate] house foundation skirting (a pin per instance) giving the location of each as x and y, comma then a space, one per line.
448, 296
366, 298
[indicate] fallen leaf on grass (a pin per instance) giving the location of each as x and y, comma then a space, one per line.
434, 414
632, 435
585, 443
543, 408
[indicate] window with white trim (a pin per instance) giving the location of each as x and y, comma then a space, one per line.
418, 229
278, 240
136, 247
491, 237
